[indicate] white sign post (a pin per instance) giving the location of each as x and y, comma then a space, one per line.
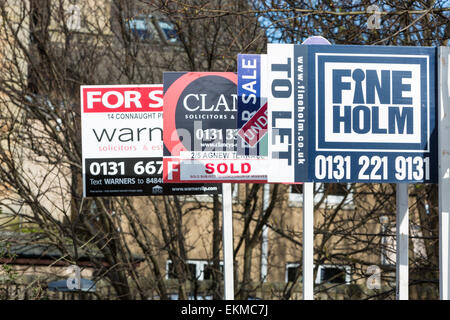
402, 271
265, 235
227, 232
308, 241
444, 171
308, 216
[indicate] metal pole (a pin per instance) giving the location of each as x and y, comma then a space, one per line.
227, 229
444, 226
402, 274
308, 216
265, 236
444, 171
308, 241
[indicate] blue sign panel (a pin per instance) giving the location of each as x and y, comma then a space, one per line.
367, 113
252, 105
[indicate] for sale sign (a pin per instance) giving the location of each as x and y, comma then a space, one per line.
352, 113
122, 142
252, 104
200, 110
252, 109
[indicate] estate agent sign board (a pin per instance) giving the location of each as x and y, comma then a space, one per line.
122, 142
352, 114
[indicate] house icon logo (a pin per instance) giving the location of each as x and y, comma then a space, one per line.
157, 190
372, 100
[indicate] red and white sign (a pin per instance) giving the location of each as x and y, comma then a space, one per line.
122, 98
200, 130
122, 144
122, 121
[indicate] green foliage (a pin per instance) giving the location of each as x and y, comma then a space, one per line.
11, 275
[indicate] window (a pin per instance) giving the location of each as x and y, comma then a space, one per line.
292, 272
142, 28
296, 195
208, 271
418, 243
333, 274
150, 28
198, 269
389, 244
107, 202
171, 273
335, 194
191, 297
198, 197
335, 189
40, 107
168, 31
235, 191
325, 274
73, 17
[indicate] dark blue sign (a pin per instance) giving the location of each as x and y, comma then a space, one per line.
367, 113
